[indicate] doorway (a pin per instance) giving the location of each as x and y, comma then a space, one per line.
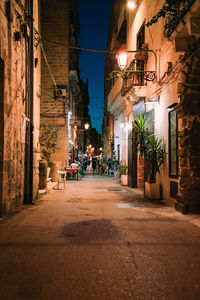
132, 161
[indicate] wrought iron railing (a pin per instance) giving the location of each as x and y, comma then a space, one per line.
137, 78
135, 75
175, 14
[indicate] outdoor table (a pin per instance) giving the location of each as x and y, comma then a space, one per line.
73, 172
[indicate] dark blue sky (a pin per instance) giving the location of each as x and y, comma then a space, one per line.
94, 22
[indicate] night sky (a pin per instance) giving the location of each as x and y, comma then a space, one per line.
94, 22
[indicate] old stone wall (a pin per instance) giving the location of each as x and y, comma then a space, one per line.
12, 109
36, 99
17, 168
55, 34
188, 199
1, 129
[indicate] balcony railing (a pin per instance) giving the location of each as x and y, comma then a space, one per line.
175, 14
135, 75
137, 78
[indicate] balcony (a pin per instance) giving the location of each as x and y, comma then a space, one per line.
136, 76
175, 15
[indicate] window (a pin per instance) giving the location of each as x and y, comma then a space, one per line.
173, 144
141, 37
140, 64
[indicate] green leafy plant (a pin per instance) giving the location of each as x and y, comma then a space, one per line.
170, 6
119, 73
155, 156
141, 134
48, 140
150, 146
122, 169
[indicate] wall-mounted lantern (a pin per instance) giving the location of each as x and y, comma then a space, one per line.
122, 60
87, 125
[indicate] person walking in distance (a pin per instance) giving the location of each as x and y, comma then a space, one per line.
94, 164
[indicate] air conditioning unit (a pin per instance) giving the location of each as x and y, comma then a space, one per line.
60, 93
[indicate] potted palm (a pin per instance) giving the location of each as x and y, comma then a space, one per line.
154, 156
141, 134
152, 150
122, 169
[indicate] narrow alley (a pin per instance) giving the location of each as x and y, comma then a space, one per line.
99, 240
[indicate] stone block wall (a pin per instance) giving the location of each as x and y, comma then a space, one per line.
188, 198
15, 115
55, 34
12, 109
1, 130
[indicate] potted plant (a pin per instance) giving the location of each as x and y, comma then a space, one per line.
152, 150
141, 134
122, 169
141, 55
154, 156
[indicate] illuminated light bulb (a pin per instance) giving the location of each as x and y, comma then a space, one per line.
122, 60
131, 5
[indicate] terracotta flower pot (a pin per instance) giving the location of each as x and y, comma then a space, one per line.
124, 179
141, 56
152, 190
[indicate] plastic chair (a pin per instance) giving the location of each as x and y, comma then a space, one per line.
61, 178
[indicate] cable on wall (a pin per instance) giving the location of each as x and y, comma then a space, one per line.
48, 66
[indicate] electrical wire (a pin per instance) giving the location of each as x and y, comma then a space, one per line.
176, 71
53, 116
48, 66
80, 48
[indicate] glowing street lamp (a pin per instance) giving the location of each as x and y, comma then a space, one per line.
87, 125
131, 5
122, 59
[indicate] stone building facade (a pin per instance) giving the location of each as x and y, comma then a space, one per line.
189, 135
59, 25
55, 25
18, 117
169, 97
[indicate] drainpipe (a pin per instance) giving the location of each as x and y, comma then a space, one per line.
31, 58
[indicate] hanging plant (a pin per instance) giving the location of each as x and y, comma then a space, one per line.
170, 6
119, 73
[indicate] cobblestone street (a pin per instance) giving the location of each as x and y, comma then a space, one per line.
99, 240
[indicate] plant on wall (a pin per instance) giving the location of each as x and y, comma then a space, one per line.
170, 6
48, 140
117, 73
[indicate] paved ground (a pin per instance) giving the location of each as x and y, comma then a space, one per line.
85, 243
